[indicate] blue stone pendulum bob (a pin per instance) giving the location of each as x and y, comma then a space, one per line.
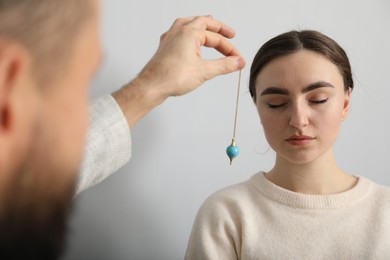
232, 151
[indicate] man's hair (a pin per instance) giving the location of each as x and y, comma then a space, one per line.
46, 28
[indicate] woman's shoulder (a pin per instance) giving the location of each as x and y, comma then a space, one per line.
378, 198
378, 188
234, 196
379, 194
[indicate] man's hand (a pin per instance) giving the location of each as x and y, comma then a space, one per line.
178, 60
178, 67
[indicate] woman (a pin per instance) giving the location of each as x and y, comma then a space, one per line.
305, 207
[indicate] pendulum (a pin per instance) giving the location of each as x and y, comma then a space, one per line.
232, 150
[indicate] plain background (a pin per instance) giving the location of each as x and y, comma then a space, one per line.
146, 210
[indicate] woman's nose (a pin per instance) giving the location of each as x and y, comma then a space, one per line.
298, 118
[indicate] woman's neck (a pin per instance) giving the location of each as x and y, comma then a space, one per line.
321, 176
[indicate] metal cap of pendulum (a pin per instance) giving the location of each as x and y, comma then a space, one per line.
232, 151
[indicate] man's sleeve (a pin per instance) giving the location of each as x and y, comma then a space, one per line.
108, 145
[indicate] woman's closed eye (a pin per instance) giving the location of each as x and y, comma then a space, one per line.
275, 105
318, 101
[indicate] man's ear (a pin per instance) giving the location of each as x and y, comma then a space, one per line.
13, 62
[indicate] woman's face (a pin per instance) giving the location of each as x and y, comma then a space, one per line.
301, 101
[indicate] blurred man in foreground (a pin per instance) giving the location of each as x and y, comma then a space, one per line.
49, 50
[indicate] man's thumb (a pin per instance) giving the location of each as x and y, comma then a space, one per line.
224, 65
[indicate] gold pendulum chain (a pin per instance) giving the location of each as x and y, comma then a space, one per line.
232, 150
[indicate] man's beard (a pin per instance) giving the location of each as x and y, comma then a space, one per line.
37, 203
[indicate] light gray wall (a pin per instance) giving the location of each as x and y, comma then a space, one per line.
146, 210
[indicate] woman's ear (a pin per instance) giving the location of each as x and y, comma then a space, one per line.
347, 99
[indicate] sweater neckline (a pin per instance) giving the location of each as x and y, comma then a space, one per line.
307, 201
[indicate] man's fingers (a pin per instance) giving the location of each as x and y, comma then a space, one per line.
218, 42
223, 66
210, 24
206, 22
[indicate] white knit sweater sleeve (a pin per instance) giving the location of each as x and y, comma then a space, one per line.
108, 145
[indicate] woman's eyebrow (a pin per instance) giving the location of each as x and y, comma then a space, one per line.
319, 84
274, 90
283, 91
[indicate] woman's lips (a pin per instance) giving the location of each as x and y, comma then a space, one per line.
300, 139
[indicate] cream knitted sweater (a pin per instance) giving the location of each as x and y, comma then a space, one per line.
259, 220
108, 145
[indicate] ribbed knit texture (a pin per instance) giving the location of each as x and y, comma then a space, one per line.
260, 220
108, 144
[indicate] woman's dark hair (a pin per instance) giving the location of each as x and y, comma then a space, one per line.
293, 41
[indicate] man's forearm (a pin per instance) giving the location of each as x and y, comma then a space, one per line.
136, 99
